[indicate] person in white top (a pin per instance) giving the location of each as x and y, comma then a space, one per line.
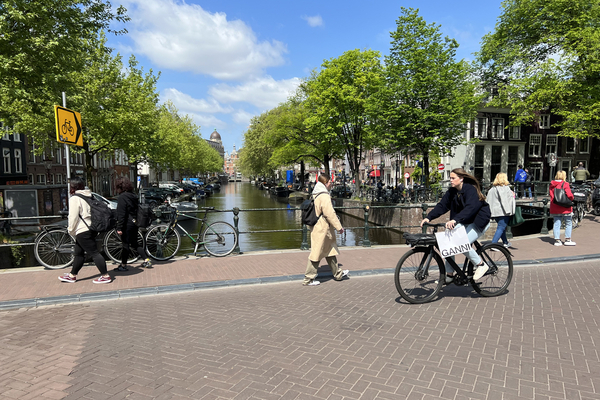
80, 218
502, 206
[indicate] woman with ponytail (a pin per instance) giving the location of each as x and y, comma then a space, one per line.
468, 208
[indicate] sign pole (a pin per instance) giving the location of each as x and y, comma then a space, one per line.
67, 152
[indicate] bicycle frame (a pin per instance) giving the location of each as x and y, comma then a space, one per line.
204, 221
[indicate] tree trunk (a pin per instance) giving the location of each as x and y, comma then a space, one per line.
426, 168
301, 173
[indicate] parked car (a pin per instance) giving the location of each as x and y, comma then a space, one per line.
111, 203
171, 186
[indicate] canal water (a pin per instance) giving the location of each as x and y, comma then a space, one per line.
257, 225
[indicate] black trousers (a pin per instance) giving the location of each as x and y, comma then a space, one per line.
85, 242
129, 238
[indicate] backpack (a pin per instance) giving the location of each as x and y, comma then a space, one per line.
103, 218
145, 216
309, 214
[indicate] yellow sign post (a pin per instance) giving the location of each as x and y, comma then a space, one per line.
68, 126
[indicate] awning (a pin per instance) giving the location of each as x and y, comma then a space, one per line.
375, 173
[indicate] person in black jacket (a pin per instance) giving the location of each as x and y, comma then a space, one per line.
468, 208
127, 208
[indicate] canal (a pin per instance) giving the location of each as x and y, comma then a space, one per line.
246, 196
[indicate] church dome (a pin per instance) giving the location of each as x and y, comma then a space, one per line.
215, 136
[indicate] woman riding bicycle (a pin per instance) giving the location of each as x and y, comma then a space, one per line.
467, 208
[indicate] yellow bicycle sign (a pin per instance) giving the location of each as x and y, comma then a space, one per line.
68, 126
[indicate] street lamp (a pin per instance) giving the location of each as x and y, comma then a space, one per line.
344, 176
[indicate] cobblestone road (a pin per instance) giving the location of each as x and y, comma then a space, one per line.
342, 340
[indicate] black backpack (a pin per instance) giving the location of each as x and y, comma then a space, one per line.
103, 218
309, 215
145, 216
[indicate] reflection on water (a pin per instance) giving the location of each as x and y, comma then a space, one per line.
246, 196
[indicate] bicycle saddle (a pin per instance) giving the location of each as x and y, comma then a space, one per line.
420, 239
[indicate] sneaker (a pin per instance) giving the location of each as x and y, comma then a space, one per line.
121, 268
147, 263
67, 278
345, 273
312, 283
480, 271
449, 279
507, 245
558, 243
103, 279
569, 243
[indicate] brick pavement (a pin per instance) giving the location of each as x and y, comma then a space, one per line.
354, 339
33, 287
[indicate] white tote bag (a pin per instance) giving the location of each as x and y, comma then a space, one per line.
453, 241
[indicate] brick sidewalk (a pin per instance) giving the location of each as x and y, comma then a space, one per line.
32, 287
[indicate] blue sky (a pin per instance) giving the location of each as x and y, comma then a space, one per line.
223, 62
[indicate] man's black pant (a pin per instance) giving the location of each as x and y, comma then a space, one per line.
129, 238
85, 242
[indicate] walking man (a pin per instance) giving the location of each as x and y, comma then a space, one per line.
580, 174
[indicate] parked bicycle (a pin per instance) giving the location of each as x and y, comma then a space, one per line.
421, 273
53, 247
163, 241
581, 202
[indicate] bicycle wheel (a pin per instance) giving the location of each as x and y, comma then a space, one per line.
498, 277
162, 242
113, 247
576, 218
416, 282
219, 239
54, 249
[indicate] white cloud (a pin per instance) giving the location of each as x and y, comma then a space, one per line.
185, 37
188, 104
313, 21
242, 117
264, 92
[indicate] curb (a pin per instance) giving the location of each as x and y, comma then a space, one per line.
182, 288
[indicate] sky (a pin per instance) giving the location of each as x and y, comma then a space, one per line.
223, 62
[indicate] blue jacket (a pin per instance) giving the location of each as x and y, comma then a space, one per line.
465, 207
521, 176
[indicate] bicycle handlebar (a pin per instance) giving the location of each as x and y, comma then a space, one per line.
440, 225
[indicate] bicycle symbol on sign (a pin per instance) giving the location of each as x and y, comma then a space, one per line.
66, 127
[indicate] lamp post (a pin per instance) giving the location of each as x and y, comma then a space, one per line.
344, 176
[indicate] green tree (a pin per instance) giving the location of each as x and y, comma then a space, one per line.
546, 54
256, 157
42, 44
338, 99
429, 96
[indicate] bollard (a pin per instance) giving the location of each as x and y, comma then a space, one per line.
304, 245
544, 230
535, 195
236, 220
424, 207
366, 241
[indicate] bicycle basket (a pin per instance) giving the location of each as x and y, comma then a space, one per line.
420, 239
165, 214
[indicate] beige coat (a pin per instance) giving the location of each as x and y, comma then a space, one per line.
77, 207
322, 235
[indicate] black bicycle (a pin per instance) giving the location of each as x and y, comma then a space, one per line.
421, 273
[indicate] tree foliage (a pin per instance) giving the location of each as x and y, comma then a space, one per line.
257, 152
546, 54
42, 44
338, 100
429, 96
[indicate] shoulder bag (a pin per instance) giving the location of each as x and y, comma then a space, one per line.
517, 219
560, 197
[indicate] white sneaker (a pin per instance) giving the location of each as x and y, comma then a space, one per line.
312, 283
480, 271
558, 243
570, 243
345, 273
507, 245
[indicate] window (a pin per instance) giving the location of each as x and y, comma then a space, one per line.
16, 137
31, 179
551, 141
565, 165
570, 145
535, 144
514, 133
58, 179
535, 169
584, 146
18, 163
545, 121
513, 158
497, 128
40, 179
5, 136
31, 152
58, 155
479, 162
6, 159
481, 128
496, 161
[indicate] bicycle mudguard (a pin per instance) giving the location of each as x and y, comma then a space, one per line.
420, 239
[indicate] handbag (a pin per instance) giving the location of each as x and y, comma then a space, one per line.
560, 197
517, 218
453, 241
